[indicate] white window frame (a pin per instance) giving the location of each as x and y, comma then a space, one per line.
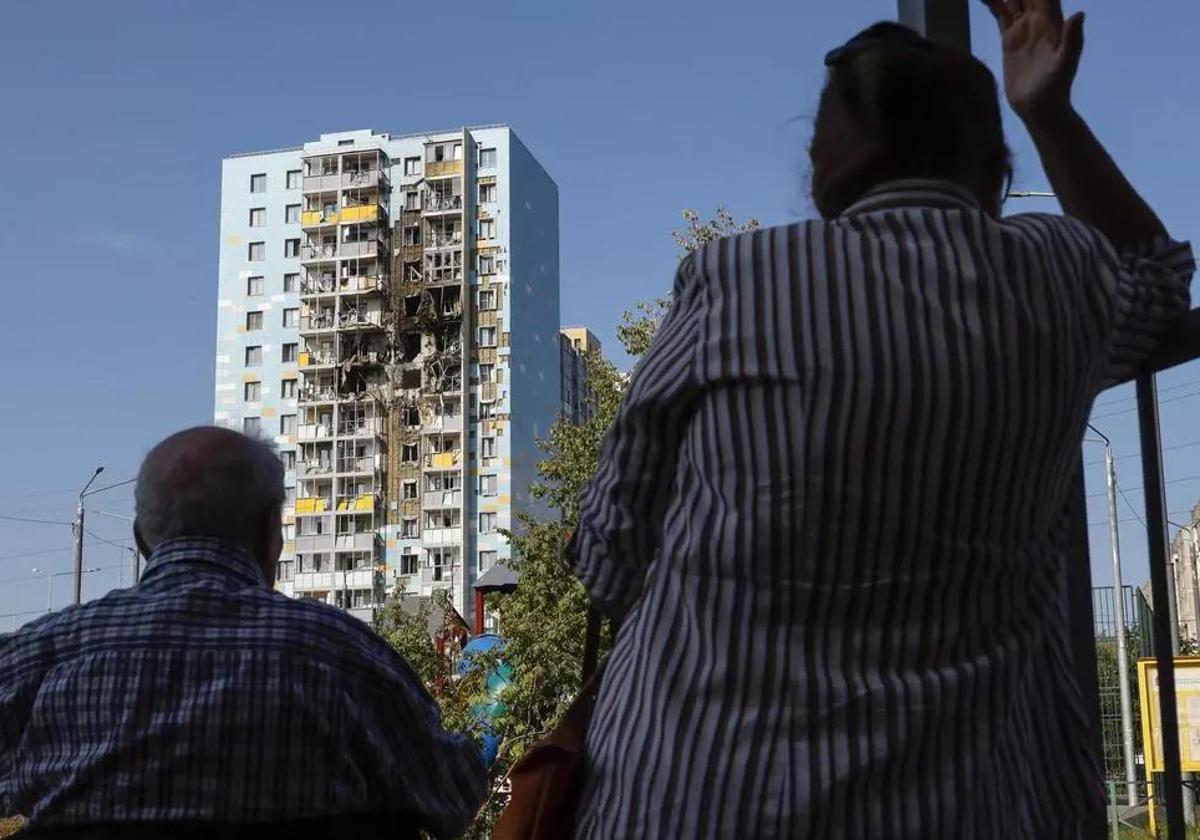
259, 178
253, 248
295, 179
259, 214
255, 281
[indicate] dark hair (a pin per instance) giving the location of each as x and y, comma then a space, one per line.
926, 111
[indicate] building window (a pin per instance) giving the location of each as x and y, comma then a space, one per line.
487, 299
291, 282
408, 453
252, 392
289, 496
487, 158
487, 447
285, 570
412, 200
412, 235
288, 456
409, 490
291, 247
487, 485
408, 563
291, 317
487, 193
487, 523
487, 264
289, 353
487, 410
486, 372
287, 424
408, 527
258, 183
258, 217
291, 214
412, 166
254, 320
254, 286
293, 179
287, 389
487, 228
487, 559
257, 252
487, 336
254, 356
251, 425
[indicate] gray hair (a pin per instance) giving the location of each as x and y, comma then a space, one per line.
208, 482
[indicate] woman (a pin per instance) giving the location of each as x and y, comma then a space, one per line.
828, 509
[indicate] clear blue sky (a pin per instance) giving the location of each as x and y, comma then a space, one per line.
114, 118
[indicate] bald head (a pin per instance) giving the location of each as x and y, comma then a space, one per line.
212, 482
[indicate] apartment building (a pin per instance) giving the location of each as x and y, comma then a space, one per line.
576, 344
1185, 562
388, 315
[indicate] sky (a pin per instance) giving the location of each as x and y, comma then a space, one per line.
114, 118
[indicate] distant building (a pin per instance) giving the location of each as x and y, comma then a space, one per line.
388, 315
575, 345
1185, 553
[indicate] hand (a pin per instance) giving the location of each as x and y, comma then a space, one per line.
1041, 54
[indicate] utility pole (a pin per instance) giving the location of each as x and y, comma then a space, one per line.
79, 537
135, 565
1131, 793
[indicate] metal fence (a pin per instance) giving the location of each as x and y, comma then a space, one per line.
1139, 636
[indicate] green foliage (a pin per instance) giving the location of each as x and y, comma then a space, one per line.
543, 622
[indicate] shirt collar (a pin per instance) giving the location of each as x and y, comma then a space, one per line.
208, 550
914, 192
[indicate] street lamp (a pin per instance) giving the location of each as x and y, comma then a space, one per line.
79, 537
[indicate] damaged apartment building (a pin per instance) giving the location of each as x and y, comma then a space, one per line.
388, 315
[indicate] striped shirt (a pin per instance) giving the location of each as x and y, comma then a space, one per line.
829, 504
201, 694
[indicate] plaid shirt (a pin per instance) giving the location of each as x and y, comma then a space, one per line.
201, 694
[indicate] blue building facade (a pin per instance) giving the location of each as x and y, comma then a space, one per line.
388, 315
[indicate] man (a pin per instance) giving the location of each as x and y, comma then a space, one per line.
201, 696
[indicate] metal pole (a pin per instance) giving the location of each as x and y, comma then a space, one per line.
135, 566
79, 552
1156, 525
945, 21
1119, 611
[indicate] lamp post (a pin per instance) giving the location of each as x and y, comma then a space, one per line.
79, 537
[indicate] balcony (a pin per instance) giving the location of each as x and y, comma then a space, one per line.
442, 241
363, 541
313, 469
361, 213
319, 253
314, 431
318, 218
364, 178
433, 537
330, 581
365, 465
372, 427
313, 359
316, 323
318, 394
443, 168
317, 286
356, 319
435, 204
365, 248
314, 544
435, 499
325, 182
313, 504
364, 503
443, 460
363, 284
445, 423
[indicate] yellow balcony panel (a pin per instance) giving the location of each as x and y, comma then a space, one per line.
366, 502
304, 359
436, 169
310, 504
317, 217
363, 213
444, 460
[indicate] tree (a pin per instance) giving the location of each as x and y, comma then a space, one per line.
543, 622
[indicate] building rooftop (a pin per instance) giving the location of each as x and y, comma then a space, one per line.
383, 135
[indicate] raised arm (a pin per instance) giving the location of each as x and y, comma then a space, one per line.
1041, 57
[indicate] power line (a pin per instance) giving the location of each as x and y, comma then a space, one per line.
1138, 455
1129, 505
38, 521
1165, 483
1175, 387
1131, 410
35, 553
124, 545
